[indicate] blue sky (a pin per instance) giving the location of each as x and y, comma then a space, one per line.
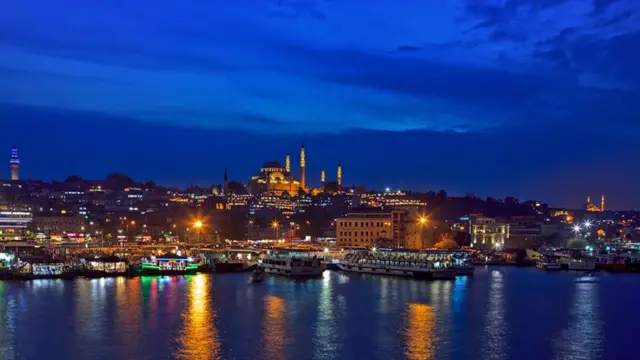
537, 99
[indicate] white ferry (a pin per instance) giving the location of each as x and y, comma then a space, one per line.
398, 263
292, 263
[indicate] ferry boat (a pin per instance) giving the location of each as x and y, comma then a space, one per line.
398, 263
41, 269
167, 265
292, 263
106, 266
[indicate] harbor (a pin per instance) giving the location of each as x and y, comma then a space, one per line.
336, 316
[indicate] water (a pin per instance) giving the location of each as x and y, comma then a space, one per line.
500, 313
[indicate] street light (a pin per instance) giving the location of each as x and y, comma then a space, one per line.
198, 225
276, 226
422, 220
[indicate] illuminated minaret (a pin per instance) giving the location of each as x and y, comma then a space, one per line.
15, 164
303, 183
322, 178
602, 203
287, 163
339, 176
225, 188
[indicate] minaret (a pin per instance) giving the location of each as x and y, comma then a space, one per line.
287, 163
588, 199
225, 188
322, 178
303, 183
339, 176
602, 203
15, 164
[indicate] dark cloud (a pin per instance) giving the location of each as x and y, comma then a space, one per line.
409, 48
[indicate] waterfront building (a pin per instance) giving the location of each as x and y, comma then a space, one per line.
14, 223
487, 232
368, 227
59, 225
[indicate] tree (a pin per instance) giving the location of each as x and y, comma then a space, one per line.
446, 243
73, 179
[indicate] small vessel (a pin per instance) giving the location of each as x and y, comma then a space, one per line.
399, 263
582, 265
292, 263
256, 276
549, 263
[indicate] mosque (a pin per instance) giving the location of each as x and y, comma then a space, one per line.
276, 179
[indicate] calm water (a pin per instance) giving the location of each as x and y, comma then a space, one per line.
500, 313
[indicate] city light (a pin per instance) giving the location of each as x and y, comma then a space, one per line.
197, 224
587, 224
576, 228
275, 224
422, 220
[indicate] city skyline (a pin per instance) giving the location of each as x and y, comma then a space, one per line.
523, 98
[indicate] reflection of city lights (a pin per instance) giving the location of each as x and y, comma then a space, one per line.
198, 339
274, 328
419, 333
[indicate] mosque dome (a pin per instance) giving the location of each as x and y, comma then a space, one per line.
273, 164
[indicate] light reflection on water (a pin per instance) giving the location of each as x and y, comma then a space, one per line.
419, 332
325, 344
340, 316
582, 338
274, 328
198, 338
495, 346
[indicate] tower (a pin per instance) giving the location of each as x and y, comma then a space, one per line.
303, 183
588, 199
602, 203
15, 164
339, 177
225, 188
287, 163
322, 178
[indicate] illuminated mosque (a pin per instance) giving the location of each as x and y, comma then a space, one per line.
593, 207
276, 179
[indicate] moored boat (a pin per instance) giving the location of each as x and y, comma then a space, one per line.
549, 263
398, 263
292, 263
168, 264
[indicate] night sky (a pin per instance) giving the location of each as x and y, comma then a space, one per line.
535, 99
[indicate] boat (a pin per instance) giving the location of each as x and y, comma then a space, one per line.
582, 265
406, 263
292, 263
40, 269
256, 276
168, 264
107, 266
549, 263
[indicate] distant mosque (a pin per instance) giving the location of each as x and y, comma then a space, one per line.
276, 179
593, 207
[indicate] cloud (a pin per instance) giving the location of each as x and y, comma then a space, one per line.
324, 66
